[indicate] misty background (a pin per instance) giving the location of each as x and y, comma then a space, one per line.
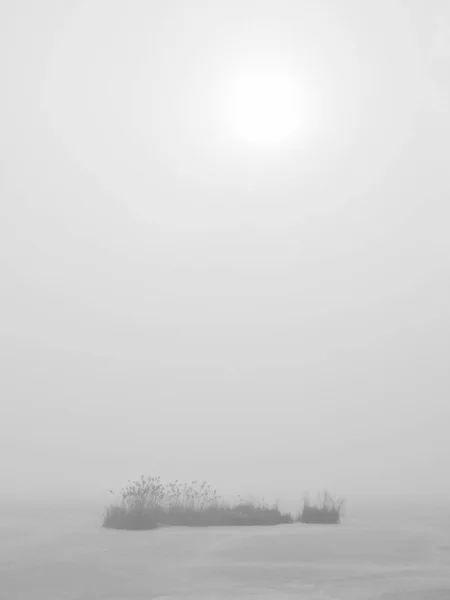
176, 303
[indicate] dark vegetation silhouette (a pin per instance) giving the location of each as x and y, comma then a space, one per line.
148, 503
327, 510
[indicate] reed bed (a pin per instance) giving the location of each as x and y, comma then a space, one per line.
147, 503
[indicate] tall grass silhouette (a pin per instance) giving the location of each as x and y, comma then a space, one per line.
326, 510
147, 503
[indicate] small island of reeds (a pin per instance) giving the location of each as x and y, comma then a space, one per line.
325, 511
147, 503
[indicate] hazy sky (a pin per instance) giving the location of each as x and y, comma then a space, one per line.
175, 301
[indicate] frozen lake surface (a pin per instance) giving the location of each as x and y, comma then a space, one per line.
383, 553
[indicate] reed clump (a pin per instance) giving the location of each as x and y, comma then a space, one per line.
326, 510
147, 503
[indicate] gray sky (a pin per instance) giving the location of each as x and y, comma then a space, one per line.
174, 301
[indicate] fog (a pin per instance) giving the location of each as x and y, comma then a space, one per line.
175, 302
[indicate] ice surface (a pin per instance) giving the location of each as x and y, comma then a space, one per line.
62, 556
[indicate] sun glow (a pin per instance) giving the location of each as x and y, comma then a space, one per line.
264, 107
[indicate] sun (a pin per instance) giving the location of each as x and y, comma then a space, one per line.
264, 107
